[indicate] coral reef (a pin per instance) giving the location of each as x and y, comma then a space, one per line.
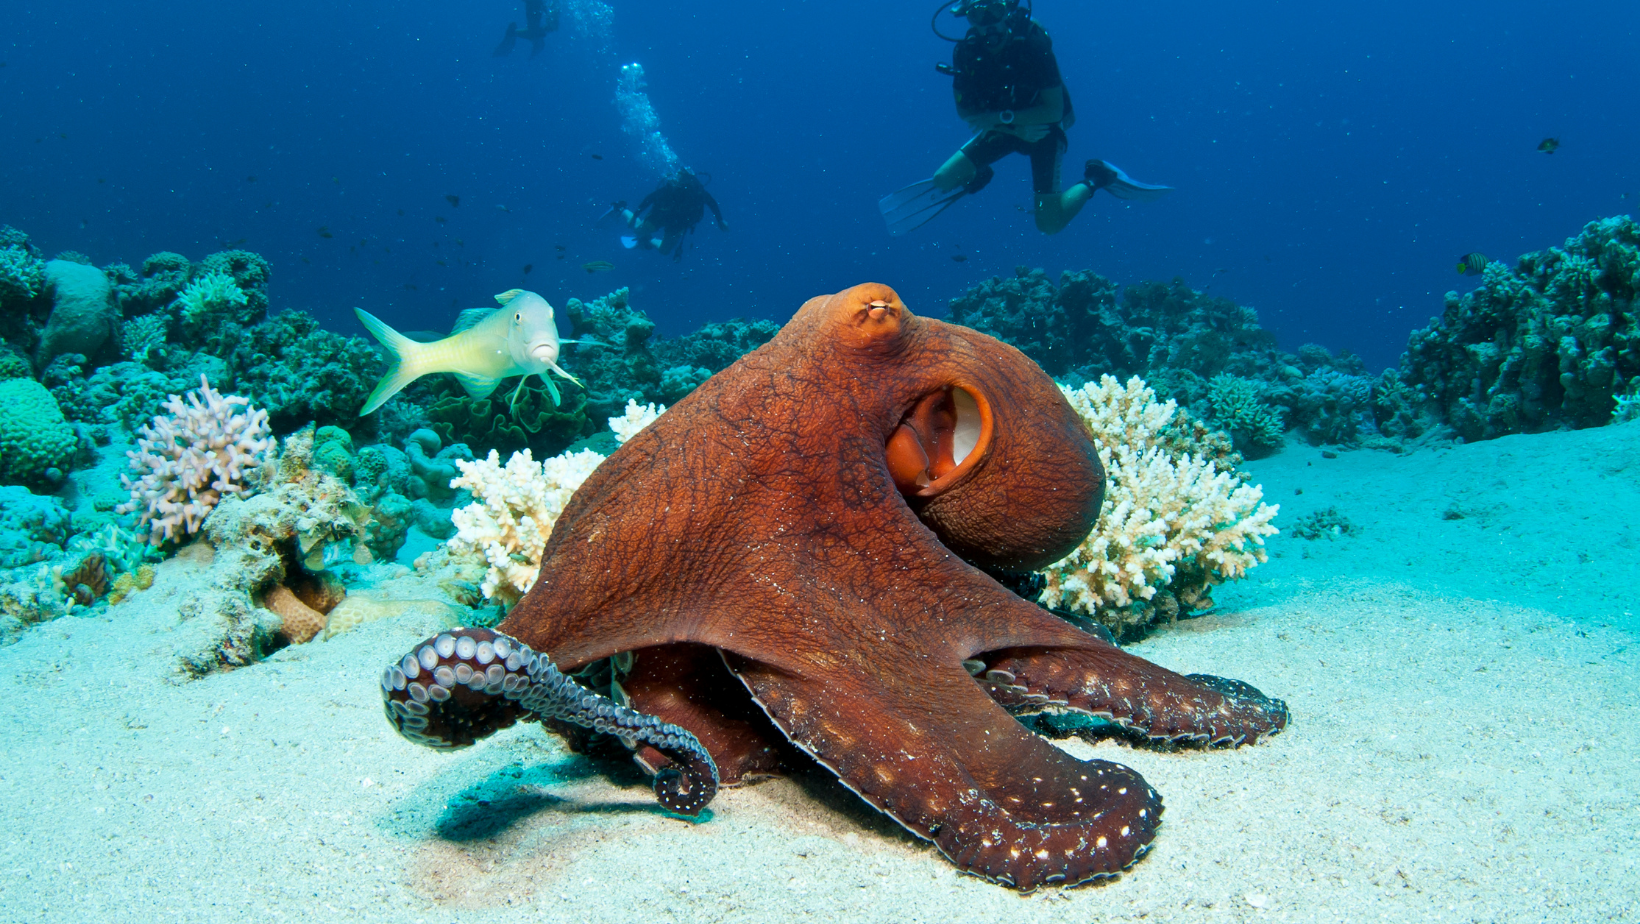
208, 447
1173, 524
619, 367
303, 523
250, 273
633, 419
208, 299
163, 278
143, 337
1549, 344
1180, 340
301, 372
37, 445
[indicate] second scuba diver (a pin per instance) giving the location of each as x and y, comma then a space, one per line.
1008, 89
673, 210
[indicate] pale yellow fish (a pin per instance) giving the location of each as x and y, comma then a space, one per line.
487, 345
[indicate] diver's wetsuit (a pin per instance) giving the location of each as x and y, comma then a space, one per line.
993, 74
675, 207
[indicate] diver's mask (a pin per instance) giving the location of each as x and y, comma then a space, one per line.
983, 14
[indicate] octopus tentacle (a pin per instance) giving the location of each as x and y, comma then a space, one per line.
1104, 681
997, 800
465, 684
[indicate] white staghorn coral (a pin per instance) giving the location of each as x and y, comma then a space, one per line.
515, 505
1171, 525
636, 418
513, 512
207, 447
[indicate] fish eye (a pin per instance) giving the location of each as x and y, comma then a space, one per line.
519, 316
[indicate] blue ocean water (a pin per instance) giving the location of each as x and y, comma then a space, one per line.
1332, 161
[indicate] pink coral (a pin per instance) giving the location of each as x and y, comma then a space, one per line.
188, 460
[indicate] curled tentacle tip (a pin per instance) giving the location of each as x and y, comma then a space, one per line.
685, 793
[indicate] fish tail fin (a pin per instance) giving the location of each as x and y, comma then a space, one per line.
406, 357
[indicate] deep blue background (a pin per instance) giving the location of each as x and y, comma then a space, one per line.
1333, 160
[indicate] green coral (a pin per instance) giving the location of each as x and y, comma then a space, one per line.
250, 272
37, 444
210, 294
1254, 426
14, 365
144, 337
22, 274
496, 422
300, 372
621, 367
164, 276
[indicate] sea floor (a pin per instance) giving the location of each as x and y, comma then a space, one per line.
1461, 669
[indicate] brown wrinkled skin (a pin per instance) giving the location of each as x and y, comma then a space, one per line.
755, 531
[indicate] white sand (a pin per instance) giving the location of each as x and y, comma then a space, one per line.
1450, 759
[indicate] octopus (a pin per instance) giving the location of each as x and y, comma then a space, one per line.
814, 550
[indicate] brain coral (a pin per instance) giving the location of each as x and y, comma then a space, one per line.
1551, 343
37, 444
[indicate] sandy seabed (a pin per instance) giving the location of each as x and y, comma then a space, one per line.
1461, 669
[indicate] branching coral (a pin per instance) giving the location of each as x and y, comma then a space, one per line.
636, 418
1254, 426
515, 505
206, 448
1173, 525
212, 293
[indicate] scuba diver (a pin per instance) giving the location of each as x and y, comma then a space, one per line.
1008, 89
674, 208
540, 17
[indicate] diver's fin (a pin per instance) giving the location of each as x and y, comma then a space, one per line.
916, 205
470, 318
477, 386
508, 296
628, 241
1112, 179
616, 212
403, 353
508, 40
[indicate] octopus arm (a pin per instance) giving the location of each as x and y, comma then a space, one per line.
937, 755
1100, 679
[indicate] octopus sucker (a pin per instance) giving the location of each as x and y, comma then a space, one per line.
860, 435
477, 697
